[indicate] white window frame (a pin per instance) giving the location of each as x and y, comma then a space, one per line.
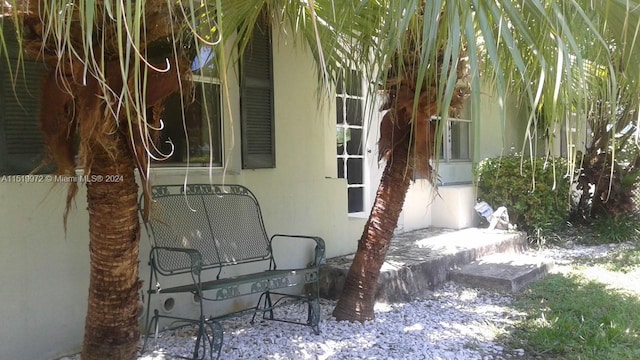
364, 185
215, 81
446, 154
197, 80
452, 172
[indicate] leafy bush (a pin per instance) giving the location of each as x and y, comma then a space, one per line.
535, 202
616, 229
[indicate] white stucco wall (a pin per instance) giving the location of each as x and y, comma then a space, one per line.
445, 207
44, 275
495, 138
453, 207
416, 213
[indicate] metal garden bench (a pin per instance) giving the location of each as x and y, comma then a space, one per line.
203, 229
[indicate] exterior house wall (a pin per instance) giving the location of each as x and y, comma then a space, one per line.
452, 205
494, 137
45, 273
417, 210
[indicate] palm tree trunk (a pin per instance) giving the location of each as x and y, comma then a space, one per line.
111, 327
358, 295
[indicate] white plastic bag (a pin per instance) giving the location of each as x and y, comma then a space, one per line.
484, 210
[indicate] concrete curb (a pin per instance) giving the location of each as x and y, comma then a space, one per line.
419, 261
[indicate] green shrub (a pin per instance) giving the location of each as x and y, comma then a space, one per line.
616, 229
534, 203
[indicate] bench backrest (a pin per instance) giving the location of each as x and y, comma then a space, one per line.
222, 222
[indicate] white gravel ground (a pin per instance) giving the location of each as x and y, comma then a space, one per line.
452, 323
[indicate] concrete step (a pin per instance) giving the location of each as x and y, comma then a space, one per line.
502, 272
418, 261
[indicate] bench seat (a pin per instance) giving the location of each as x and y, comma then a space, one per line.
255, 283
202, 230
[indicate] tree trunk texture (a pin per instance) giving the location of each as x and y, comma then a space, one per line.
358, 295
108, 149
111, 327
611, 195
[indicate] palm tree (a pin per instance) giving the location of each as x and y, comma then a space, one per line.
407, 142
424, 55
97, 93
431, 51
111, 61
611, 159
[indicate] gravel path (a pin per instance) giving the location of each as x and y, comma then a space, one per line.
454, 322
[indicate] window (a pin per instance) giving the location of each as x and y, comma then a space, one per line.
21, 143
456, 144
203, 118
350, 137
256, 100
198, 139
193, 130
455, 153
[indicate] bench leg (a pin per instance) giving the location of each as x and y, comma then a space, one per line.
202, 335
150, 323
217, 336
265, 305
268, 304
313, 316
214, 341
210, 334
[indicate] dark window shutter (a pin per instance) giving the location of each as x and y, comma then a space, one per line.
21, 144
256, 101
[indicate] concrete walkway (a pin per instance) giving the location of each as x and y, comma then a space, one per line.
419, 261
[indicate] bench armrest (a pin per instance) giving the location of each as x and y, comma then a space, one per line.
194, 255
319, 253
